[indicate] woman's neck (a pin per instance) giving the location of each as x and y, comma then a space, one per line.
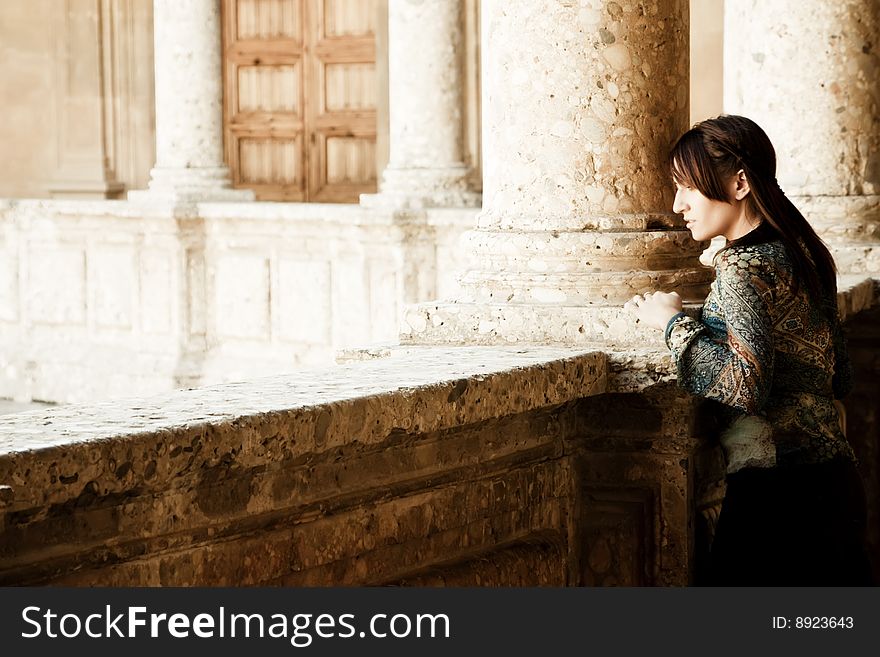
741, 228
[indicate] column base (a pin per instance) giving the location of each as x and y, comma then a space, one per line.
190, 185
85, 189
856, 258
477, 324
560, 287
850, 225
581, 268
423, 188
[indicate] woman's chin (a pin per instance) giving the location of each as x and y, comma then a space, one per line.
699, 234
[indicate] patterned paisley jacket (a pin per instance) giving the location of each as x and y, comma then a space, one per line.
774, 360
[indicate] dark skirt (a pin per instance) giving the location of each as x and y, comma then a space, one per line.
801, 525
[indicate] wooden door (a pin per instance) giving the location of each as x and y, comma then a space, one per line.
300, 98
342, 111
264, 88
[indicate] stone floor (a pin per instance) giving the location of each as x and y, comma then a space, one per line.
7, 406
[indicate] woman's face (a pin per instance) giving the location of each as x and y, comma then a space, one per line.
707, 218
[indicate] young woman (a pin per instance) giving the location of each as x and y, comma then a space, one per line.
768, 345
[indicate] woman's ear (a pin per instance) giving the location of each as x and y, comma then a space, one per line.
742, 185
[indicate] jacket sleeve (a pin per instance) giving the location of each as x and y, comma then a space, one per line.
737, 371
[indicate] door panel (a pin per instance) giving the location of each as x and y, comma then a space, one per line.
300, 97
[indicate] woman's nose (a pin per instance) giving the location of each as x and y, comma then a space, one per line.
678, 205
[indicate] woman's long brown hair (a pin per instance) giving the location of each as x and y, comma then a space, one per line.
713, 151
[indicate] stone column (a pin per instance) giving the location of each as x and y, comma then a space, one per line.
808, 72
426, 81
581, 103
82, 40
189, 96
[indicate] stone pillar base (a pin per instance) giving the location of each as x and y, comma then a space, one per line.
85, 189
560, 287
582, 268
850, 225
843, 219
436, 323
423, 188
190, 185
856, 258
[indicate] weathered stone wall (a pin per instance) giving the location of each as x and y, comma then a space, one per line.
635, 488
368, 473
461, 466
112, 298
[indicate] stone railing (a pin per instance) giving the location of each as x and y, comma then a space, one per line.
414, 466
110, 298
469, 465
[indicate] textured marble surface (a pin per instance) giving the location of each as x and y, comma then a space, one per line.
446, 323
783, 56
582, 101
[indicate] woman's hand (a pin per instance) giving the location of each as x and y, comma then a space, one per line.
654, 309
